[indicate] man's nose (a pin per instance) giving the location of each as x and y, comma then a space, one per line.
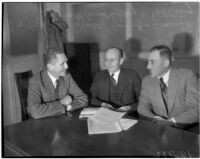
65, 65
148, 66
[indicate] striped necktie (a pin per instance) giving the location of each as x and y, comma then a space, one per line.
163, 88
113, 80
57, 89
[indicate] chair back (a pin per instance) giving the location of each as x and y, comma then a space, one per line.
22, 79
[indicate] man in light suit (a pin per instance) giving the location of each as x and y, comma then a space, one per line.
53, 91
116, 87
168, 96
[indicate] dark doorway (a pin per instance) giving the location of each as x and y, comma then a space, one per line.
83, 62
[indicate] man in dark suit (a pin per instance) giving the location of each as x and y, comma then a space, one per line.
53, 91
168, 96
115, 87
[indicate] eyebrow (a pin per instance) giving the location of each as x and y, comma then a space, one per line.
151, 60
64, 62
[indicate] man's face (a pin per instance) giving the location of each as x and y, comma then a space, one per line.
113, 61
156, 64
58, 66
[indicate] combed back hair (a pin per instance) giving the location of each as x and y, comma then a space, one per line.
116, 49
51, 54
164, 51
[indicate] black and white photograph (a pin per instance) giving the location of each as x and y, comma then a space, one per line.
100, 79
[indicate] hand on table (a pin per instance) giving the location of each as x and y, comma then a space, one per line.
160, 120
106, 105
125, 108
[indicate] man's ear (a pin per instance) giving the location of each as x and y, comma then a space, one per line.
49, 66
121, 61
166, 62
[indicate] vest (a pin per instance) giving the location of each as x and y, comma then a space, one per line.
114, 96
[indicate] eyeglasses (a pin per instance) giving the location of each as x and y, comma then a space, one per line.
110, 60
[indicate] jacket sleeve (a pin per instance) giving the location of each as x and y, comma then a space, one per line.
137, 88
37, 107
94, 92
191, 114
145, 107
79, 98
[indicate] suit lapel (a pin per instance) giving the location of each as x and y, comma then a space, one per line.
171, 92
122, 80
106, 84
156, 93
48, 84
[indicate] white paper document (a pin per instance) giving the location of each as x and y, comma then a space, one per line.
88, 112
125, 124
104, 115
108, 121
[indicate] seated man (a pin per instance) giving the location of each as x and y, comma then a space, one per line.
115, 87
169, 96
53, 91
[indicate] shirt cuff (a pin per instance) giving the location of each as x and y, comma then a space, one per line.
156, 117
69, 107
173, 120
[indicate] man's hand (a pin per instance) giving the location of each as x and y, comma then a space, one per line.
66, 100
125, 108
162, 121
158, 118
106, 105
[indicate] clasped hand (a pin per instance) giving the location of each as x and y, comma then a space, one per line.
66, 100
162, 121
122, 108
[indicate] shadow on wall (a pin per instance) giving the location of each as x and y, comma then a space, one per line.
183, 46
136, 59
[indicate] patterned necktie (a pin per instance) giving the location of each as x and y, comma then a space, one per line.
113, 80
57, 88
163, 88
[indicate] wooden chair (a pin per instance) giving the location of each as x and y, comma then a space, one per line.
22, 79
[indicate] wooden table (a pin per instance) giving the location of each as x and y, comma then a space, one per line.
66, 135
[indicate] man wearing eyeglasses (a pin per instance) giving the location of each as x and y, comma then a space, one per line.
115, 88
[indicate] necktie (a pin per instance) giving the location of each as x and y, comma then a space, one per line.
57, 88
163, 88
113, 80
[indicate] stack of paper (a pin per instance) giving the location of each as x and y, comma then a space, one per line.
108, 121
88, 112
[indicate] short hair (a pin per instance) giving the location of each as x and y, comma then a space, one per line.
51, 54
164, 51
117, 49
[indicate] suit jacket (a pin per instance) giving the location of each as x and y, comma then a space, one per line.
129, 88
42, 99
183, 97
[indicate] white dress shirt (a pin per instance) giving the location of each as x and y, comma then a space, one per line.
53, 79
116, 75
165, 77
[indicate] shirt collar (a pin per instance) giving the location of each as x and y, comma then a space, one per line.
165, 77
116, 74
53, 79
